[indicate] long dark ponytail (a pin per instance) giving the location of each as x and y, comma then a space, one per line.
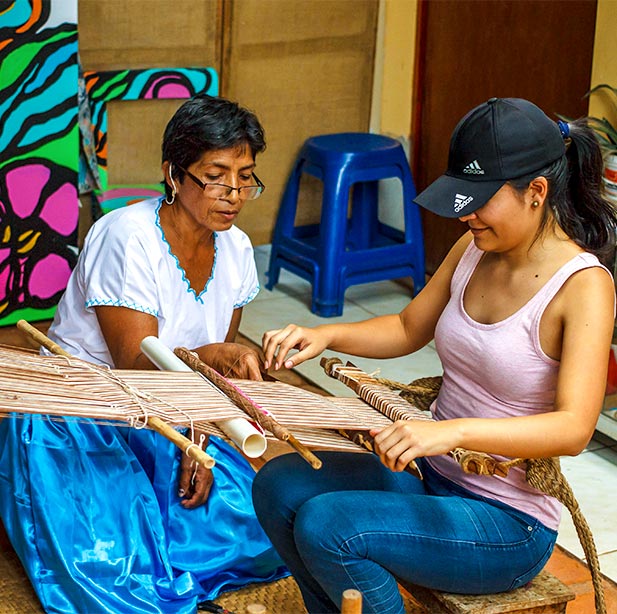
576, 194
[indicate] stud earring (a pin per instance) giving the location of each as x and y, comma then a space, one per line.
535, 204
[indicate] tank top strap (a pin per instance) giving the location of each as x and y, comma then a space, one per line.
547, 293
465, 268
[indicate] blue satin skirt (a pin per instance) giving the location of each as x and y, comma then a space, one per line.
93, 513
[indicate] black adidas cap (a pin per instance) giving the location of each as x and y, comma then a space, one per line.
502, 139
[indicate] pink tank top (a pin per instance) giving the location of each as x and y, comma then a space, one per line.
498, 370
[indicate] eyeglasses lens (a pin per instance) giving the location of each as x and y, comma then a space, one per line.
215, 190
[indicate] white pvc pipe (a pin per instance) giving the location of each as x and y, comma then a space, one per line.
245, 436
239, 430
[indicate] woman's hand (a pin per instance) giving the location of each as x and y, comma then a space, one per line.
195, 480
277, 344
232, 360
405, 440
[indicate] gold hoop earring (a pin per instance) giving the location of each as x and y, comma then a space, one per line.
535, 204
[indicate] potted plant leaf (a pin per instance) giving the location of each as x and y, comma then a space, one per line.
607, 135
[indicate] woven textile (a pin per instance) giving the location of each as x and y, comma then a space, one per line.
280, 597
16, 593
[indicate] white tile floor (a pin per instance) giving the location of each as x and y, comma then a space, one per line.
592, 475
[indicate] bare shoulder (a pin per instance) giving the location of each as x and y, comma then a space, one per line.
589, 290
440, 280
458, 249
592, 279
436, 293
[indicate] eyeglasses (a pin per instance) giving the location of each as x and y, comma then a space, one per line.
221, 190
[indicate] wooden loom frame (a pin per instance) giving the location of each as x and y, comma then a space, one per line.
543, 474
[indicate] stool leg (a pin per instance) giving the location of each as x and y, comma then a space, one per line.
364, 218
413, 230
328, 284
274, 270
284, 223
413, 220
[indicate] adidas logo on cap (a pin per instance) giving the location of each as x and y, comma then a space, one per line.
473, 168
461, 201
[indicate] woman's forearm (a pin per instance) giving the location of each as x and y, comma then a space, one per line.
379, 337
556, 433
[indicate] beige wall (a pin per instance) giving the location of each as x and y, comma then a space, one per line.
604, 69
304, 66
394, 67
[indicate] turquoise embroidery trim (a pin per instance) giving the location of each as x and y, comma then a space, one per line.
108, 302
180, 269
250, 297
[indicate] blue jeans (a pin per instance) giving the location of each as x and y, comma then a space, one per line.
356, 524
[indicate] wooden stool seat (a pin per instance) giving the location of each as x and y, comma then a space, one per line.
545, 594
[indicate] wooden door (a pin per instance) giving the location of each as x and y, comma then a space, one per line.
471, 50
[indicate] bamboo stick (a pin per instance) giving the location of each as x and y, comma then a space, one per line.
378, 396
366, 440
248, 405
185, 444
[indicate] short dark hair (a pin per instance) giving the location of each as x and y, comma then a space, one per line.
206, 123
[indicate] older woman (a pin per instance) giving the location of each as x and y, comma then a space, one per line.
116, 520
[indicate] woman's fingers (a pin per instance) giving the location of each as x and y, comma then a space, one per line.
276, 344
308, 341
405, 440
269, 346
396, 445
199, 490
194, 483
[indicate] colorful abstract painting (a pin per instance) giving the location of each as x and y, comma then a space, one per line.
154, 83
40, 147
39, 150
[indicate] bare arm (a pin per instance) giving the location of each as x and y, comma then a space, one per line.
123, 330
234, 325
380, 337
586, 307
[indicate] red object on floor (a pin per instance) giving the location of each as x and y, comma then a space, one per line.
611, 380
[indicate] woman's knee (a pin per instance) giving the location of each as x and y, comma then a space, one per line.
321, 526
272, 486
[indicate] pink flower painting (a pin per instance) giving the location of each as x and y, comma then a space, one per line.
38, 223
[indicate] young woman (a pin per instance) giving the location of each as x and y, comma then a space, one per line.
522, 314
139, 530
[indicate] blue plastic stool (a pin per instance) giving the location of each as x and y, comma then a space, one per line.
344, 250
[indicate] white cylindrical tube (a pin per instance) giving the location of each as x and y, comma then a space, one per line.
162, 356
239, 430
245, 436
